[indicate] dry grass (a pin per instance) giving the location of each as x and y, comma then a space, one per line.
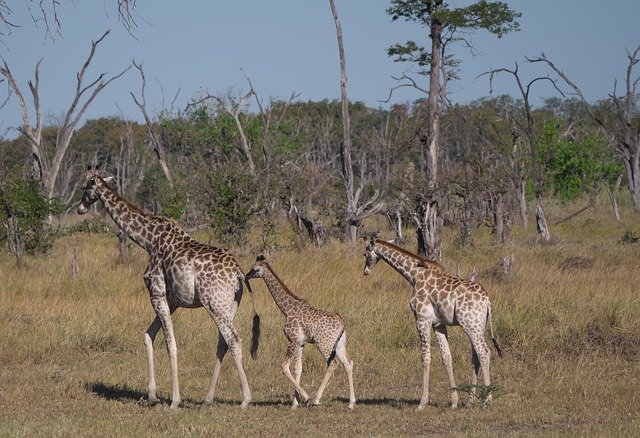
72, 359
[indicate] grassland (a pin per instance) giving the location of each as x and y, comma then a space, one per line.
72, 360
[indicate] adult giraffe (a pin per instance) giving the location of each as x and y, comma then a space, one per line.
439, 300
181, 273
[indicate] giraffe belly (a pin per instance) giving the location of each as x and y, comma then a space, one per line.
181, 290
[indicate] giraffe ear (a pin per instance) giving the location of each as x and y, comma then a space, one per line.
109, 179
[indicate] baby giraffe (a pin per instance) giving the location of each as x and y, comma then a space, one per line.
306, 323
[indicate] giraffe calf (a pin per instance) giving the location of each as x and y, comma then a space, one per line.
305, 323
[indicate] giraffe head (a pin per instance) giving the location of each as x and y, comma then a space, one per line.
257, 270
370, 256
89, 189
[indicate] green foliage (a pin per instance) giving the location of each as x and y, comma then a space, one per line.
494, 17
574, 166
628, 238
23, 212
230, 203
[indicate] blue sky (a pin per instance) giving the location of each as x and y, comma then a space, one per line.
290, 45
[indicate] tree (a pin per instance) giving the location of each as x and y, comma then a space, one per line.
443, 24
622, 131
47, 170
356, 211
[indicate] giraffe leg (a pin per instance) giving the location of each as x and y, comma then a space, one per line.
297, 374
164, 314
291, 353
235, 345
341, 354
483, 355
445, 354
149, 338
221, 351
331, 367
475, 367
424, 327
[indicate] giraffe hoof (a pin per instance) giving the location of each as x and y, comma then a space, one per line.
352, 406
421, 407
152, 401
245, 404
311, 403
175, 406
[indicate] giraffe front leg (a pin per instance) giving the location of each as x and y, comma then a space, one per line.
297, 374
291, 352
445, 354
424, 331
164, 314
149, 338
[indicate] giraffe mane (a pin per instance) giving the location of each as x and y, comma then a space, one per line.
422, 261
284, 286
174, 223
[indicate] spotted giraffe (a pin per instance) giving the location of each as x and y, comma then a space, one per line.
303, 324
440, 300
181, 273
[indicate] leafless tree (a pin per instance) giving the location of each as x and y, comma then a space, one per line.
153, 129
47, 171
356, 210
623, 135
529, 130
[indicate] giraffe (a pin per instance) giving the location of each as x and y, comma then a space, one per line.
181, 272
440, 300
303, 324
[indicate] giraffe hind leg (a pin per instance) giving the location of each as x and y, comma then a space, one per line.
445, 353
475, 368
221, 351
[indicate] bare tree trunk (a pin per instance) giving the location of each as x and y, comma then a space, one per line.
430, 225
541, 222
499, 218
613, 196
395, 221
354, 213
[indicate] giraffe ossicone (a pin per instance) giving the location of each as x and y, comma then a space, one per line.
181, 272
440, 300
303, 324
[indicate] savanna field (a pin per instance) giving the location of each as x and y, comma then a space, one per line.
73, 363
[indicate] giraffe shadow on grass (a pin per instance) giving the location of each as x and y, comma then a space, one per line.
382, 401
126, 394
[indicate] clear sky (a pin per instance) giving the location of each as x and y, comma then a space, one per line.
290, 45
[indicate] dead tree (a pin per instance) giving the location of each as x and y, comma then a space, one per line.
153, 129
47, 170
528, 128
624, 136
356, 210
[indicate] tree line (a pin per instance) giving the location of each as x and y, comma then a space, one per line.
486, 171
235, 160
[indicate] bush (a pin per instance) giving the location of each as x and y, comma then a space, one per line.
24, 211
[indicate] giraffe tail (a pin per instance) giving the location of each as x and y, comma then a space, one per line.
493, 338
255, 327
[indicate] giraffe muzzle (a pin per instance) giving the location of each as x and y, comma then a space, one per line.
82, 209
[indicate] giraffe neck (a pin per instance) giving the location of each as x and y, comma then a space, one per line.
284, 298
406, 263
135, 223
